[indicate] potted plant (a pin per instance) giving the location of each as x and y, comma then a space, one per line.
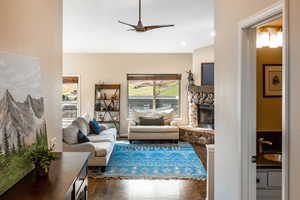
41, 156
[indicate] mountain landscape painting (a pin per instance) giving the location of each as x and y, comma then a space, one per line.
22, 122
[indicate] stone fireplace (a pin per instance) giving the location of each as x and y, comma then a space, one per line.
201, 106
206, 116
201, 116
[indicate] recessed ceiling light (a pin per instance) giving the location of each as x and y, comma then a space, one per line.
213, 34
183, 43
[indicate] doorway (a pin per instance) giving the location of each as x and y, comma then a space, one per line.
248, 62
269, 41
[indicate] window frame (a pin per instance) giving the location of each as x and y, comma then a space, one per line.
78, 98
150, 77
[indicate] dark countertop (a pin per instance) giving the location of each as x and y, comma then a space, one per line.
62, 174
262, 163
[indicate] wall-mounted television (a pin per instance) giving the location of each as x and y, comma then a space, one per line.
207, 73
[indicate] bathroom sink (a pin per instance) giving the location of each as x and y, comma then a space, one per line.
273, 157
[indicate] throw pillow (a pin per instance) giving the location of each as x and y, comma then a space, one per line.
82, 138
70, 134
150, 121
95, 127
169, 115
82, 124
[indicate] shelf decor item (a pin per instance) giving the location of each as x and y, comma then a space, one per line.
107, 107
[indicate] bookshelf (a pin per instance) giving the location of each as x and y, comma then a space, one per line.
107, 104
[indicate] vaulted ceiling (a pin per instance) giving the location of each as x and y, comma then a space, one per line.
92, 26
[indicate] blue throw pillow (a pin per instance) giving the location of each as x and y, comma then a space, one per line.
95, 127
82, 138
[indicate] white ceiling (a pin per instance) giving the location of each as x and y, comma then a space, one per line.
92, 26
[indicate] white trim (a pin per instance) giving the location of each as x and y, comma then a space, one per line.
263, 15
247, 118
247, 112
285, 105
210, 188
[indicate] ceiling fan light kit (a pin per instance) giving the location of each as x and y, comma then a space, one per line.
140, 27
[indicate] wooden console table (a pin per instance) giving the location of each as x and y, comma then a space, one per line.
67, 180
196, 135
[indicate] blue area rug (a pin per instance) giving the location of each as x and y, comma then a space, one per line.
155, 161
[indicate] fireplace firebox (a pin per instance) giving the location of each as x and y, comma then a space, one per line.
206, 116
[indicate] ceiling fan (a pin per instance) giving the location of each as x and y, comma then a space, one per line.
140, 27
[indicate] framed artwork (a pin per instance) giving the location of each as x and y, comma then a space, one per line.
207, 74
272, 80
22, 122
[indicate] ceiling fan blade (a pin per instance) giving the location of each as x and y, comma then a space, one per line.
133, 26
149, 28
131, 29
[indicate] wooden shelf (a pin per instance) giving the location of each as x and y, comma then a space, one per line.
107, 104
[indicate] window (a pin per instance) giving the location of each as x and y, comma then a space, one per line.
70, 99
154, 92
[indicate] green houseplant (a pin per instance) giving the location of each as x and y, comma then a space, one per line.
41, 156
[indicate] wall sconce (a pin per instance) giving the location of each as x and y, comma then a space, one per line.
270, 37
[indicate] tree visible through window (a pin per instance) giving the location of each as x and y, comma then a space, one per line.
70, 99
154, 92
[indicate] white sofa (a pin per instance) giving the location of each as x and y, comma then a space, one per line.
100, 146
168, 131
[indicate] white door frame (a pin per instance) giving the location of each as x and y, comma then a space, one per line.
247, 72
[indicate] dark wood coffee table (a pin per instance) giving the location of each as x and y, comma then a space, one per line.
67, 179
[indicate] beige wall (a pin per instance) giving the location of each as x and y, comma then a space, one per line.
202, 55
34, 28
112, 68
227, 159
269, 115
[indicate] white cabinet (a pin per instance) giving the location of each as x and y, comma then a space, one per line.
274, 179
268, 184
261, 179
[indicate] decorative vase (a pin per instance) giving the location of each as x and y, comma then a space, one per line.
40, 171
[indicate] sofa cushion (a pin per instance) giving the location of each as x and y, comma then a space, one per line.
95, 127
168, 115
103, 148
135, 115
153, 129
151, 121
109, 135
70, 134
82, 124
101, 138
82, 138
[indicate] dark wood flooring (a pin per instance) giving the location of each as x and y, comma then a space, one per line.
100, 189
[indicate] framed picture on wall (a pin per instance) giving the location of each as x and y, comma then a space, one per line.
207, 74
272, 80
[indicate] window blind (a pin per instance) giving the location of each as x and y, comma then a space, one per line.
154, 77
